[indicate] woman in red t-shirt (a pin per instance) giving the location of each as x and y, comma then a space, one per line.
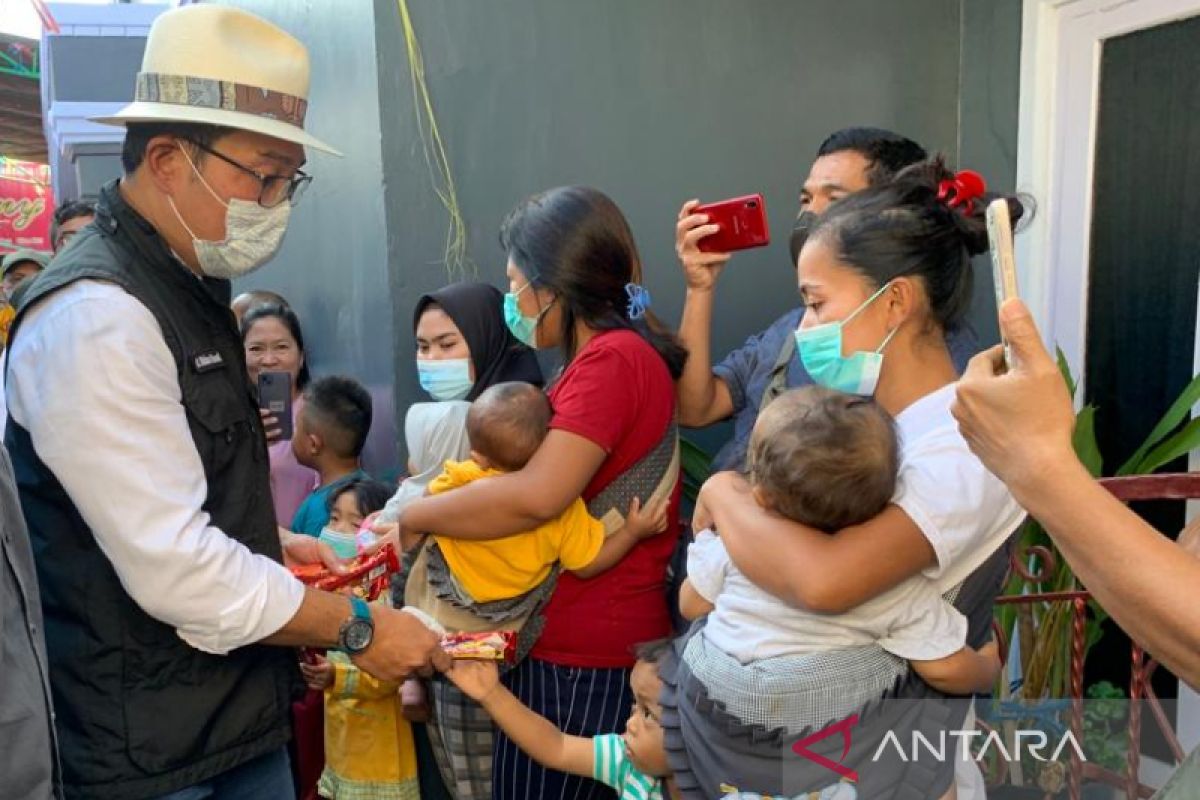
573, 270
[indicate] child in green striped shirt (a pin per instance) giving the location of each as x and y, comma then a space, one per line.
634, 763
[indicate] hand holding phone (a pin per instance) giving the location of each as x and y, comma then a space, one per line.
742, 224
275, 396
1004, 267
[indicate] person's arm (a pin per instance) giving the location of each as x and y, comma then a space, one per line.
534, 734
1019, 423
692, 605
1101, 538
493, 508
826, 573
703, 397
117, 438
708, 566
639, 524
968, 671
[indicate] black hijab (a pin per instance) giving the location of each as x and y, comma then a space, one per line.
477, 310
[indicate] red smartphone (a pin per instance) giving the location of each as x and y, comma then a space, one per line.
743, 222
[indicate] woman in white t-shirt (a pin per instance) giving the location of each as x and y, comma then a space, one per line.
882, 276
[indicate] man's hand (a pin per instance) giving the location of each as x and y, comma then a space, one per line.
648, 521
1018, 422
700, 269
318, 674
299, 548
476, 679
402, 646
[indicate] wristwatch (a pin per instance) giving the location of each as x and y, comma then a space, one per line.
357, 633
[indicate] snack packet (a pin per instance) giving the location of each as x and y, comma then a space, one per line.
366, 576
487, 646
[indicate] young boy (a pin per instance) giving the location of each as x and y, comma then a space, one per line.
634, 763
828, 460
505, 426
329, 437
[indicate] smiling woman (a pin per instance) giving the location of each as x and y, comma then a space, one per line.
273, 342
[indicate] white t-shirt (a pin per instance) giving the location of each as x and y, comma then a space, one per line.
964, 511
911, 620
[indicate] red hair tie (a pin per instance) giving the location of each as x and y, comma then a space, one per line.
962, 190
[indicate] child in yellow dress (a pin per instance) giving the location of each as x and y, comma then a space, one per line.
369, 751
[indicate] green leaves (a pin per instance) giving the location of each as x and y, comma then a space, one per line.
1065, 369
1084, 440
1158, 449
696, 466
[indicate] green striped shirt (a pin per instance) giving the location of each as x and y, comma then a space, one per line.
614, 769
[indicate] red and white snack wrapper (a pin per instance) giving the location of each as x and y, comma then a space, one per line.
367, 576
488, 646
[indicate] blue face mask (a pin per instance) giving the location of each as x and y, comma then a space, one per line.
447, 378
523, 328
821, 353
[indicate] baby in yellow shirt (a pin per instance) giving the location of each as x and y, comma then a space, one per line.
505, 426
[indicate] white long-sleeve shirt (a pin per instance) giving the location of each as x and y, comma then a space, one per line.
93, 382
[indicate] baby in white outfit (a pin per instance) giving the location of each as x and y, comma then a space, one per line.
829, 461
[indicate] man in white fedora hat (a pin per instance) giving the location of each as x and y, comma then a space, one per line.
139, 452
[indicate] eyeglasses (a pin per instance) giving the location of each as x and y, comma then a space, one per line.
275, 188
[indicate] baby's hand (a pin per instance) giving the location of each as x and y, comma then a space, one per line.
648, 521
476, 679
319, 674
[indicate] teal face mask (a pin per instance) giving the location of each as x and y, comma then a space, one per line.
344, 545
523, 328
821, 353
446, 379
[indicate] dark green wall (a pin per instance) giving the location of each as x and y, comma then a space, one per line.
333, 266
651, 102
657, 102
988, 98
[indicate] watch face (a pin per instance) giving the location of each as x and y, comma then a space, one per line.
357, 635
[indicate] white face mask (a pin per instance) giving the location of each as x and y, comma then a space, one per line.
252, 234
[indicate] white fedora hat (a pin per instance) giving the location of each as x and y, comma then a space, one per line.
222, 66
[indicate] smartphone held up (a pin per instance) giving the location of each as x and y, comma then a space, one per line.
742, 222
275, 395
1004, 267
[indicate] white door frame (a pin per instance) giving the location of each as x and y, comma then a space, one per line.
1060, 75
1061, 43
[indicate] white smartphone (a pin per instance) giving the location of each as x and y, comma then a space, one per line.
1004, 267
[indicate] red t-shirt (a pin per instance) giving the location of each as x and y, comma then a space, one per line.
617, 393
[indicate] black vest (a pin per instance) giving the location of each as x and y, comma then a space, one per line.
139, 712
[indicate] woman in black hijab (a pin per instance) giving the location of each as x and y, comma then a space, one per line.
463, 345
463, 348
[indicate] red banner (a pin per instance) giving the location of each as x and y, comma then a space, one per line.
26, 205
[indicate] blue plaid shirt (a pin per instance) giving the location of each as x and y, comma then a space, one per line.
747, 372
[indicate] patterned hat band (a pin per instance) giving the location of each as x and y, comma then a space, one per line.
188, 90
